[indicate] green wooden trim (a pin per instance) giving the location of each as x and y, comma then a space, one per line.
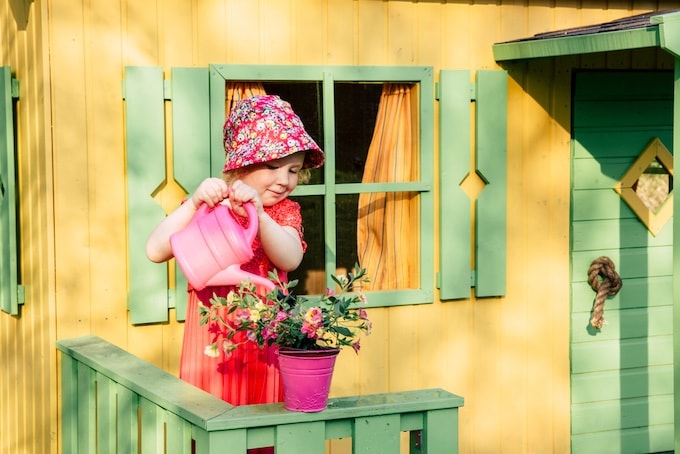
127, 431
373, 434
676, 258
669, 32
423, 76
106, 414
330, 231
218, 92
454, 165
145, 153
86, 417
69, 405
301, 437
575, 45
9, 268
491, 144
190, 146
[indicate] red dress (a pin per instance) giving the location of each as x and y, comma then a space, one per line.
249, 375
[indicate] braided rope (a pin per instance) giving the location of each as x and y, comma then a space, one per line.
604, 279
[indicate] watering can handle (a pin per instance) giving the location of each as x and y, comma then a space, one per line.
251, 231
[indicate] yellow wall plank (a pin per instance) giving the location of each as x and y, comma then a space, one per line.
341, 31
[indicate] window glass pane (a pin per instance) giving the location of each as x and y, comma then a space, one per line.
346, 230
356, 107
387, 238
311, 272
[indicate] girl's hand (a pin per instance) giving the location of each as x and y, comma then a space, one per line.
211, 191
241, 193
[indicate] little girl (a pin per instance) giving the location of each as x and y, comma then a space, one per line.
267, 151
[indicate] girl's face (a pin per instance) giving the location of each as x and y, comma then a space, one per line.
275, 180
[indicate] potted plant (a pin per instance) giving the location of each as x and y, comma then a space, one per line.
309, 332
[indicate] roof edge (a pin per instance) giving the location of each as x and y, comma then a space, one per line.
581, 44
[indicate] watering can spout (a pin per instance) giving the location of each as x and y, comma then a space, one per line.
234, 275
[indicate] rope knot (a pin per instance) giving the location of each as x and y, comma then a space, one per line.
604, 280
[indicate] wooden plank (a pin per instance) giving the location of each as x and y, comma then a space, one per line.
9, 297
87, 419
616, 354
190, 145
630, 263
641, 382
653, 439
623, 324
298, 438
491, 163
177, 435
69, 404
619, 142
127, 433
437, 435
152, 430
145, 143
588, 173
454, 164
629, 413
617, 113
376, 434
658, 85
592, 235
106, 414
599, 204
640, 292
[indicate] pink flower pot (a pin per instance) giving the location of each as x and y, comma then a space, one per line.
306, 377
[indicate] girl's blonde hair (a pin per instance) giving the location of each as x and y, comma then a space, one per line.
232, 175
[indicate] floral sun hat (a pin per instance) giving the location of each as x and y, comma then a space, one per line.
263, 128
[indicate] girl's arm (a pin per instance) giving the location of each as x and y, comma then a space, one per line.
282, 244
211, 191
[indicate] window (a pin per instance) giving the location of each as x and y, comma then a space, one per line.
372, 201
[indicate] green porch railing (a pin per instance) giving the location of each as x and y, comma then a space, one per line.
113, 402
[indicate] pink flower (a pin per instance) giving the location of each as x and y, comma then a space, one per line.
241, 315
356, 346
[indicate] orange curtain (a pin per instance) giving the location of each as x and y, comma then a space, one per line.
236, 91
387, 230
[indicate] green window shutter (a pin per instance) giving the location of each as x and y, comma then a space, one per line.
190, 145
145, 142
10, 290
455, 93
492, 107
149, 298
489, 92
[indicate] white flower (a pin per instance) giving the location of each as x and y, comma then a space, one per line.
212, 350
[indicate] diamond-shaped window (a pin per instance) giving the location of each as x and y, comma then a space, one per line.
647, 186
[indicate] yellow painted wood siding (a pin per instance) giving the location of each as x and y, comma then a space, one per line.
507, 356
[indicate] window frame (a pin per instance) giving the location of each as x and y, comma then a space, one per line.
328, 75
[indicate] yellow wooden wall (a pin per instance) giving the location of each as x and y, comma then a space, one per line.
507, 356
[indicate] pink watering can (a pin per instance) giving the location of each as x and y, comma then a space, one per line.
212, 248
